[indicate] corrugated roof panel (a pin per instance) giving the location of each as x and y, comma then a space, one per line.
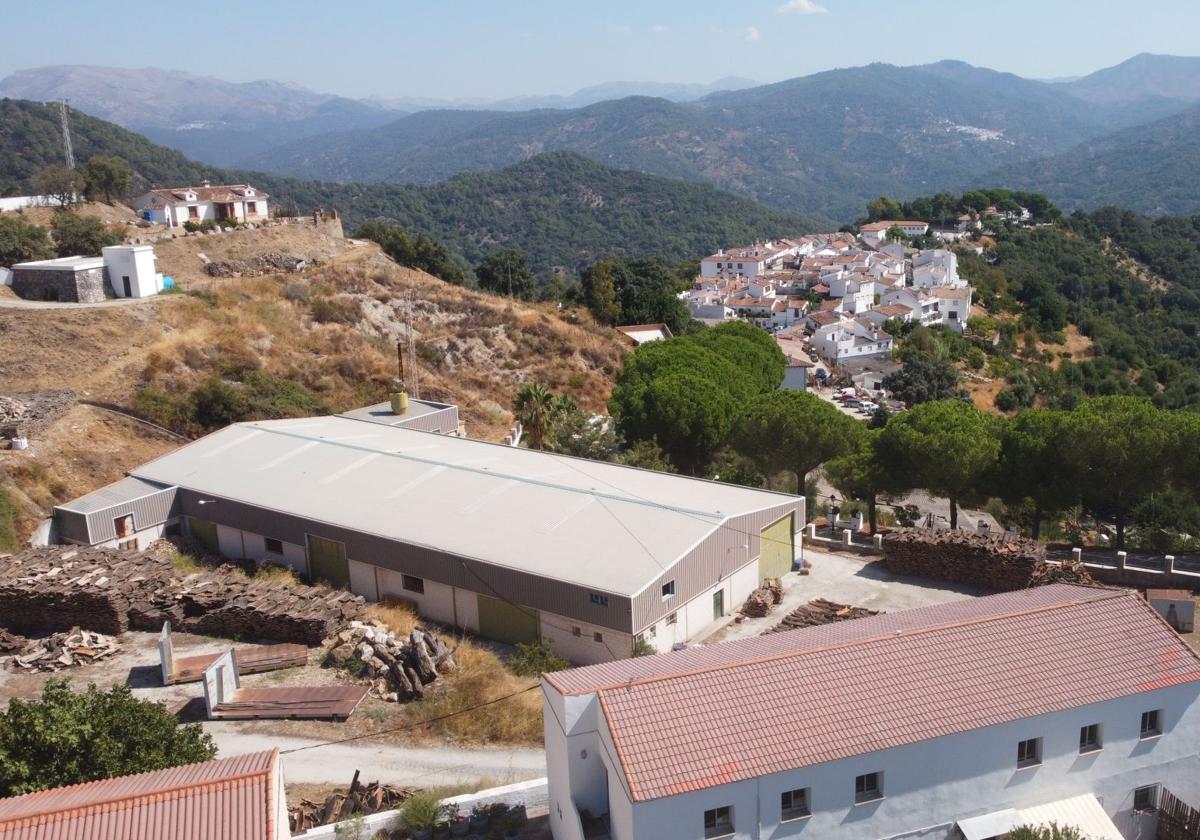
464, 497
125, 490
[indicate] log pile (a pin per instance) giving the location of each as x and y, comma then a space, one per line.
820, 611
1068, 571
361, 799
46, 590
399, 667
63, 650
998, 562
11, 643
763, 600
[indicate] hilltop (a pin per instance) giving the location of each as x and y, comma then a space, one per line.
230, 349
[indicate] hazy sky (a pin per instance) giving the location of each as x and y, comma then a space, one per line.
493, 48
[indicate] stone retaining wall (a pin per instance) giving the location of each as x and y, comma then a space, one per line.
86, 286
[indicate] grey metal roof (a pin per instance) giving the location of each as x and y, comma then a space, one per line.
382, 412
125, 490
604, 526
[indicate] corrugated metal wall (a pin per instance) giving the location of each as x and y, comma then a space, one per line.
553, 596
711, 561
154, 509
72, 526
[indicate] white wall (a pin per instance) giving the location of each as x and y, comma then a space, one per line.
362, 580
19, 202
584, 649
930, 785
135, 262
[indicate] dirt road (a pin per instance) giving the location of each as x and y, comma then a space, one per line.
394, 765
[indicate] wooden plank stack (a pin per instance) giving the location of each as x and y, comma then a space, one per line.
820, 611
53, 589
999, 562
399, 667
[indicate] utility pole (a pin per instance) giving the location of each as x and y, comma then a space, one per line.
66, 133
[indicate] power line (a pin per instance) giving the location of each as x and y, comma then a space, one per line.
414, 724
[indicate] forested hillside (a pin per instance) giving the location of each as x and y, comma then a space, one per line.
560, 208
822, 143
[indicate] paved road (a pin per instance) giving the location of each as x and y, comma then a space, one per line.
397, 765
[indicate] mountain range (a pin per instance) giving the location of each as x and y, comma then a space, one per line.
822, 144
560, 208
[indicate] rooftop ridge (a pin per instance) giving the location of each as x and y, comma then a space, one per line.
630, 498
1113, 593
44, 817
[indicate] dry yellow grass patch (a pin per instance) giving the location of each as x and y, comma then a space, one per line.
481, 677
396, 614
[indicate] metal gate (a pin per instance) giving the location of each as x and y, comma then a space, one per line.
327, 562
777, 550
507, 622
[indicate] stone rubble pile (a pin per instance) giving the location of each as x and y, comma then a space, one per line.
269, 263
30, 413
399, 667
108, 591
999, 562
63, 650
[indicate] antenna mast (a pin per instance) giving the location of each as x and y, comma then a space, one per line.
414, 386
66, 133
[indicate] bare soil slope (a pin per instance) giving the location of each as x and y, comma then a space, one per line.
330, 330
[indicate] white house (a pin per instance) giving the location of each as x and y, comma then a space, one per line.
964, 720
749, 261
954, 306
926, 309
852, 339
875, 233
795, 375
173, 207
936, 267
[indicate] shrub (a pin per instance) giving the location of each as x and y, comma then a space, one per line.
67, 737
194, 227
534, 658
9, 538
421, 810
642, 648
327, 310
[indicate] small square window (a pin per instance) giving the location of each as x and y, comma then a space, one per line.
868, 787
575, 631
413, 584
1151, 723
1145, 798
1089, 738
597, 599
598, 637
718, 821
793, 804
668, 589
1029, 753
273, 545
672, 618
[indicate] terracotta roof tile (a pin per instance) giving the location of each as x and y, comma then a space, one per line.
702, 717
226, 799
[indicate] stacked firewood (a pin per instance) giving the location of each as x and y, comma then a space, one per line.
762, 600
820, 611
361, 799
64, 650
53, 589
399, 667
999, 562
1068, 571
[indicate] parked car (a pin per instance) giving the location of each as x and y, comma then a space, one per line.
853, 402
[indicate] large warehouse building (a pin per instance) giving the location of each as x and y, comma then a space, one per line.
513, 544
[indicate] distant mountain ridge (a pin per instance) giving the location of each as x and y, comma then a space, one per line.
1145, 76
560, 208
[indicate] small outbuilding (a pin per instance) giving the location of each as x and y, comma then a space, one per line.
1175, 606
71, 279
132, 270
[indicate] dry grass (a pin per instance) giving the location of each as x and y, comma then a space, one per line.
481, 677
398, 615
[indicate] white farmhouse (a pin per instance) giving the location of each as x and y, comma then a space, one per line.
855, 338
1058, 703
875, 233
936, 267
205, 203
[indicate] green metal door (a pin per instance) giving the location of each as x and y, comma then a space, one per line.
778, 549
205, 533
507, 622
327, 561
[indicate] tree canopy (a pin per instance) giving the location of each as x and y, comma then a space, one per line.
85, 236
21, 241
507, 272
794, 430
67, 737
107, 176
921, 379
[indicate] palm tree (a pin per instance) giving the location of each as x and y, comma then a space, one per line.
533, 407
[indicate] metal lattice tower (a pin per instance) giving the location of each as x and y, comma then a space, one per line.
66, 132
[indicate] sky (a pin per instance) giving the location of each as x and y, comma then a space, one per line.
488, 49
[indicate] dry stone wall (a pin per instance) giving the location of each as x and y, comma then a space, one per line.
49, 284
